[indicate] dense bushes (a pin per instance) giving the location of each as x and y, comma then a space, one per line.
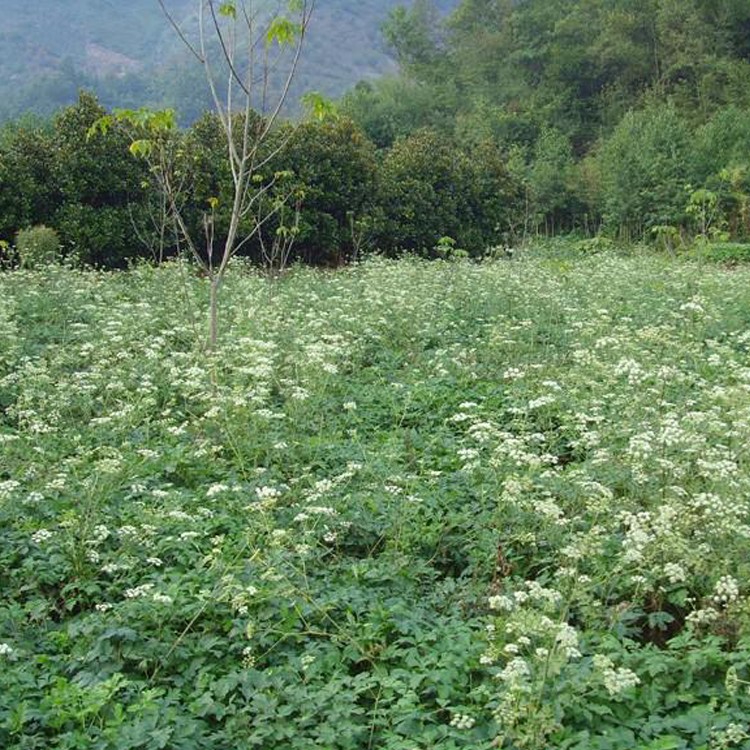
430, 188
38, 246
610, 113
86, 189
645, 166
28, 190
99, 183
336, 171
655, 174
424, 192
339, 193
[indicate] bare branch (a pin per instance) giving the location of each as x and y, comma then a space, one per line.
227, 56
179, 31
307, 9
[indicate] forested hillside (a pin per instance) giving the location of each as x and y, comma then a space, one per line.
511, 68
606, 109
128, 54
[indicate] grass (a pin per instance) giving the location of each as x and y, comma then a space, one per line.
405, 505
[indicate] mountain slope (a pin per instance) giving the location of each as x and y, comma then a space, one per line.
130, 56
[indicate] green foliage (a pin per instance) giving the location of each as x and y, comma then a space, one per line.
567, 90
431, 189
593, 245
404, 505
644, 168
412, 33
549, 181
390, 108
28, 190
335, 173
722, 165
228, 9
99, 235
318, 106
282, 31
703, 210
99, 180
37, 246
446, 250
725, 252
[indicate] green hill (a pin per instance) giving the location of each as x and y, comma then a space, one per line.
129, 55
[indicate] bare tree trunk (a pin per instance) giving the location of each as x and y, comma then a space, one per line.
213, 328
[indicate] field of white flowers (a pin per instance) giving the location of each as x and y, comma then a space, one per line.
402, 506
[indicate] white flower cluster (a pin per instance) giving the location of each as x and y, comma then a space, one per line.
617, 680
267, 493
726, 591
41, 536
731, 736
139, 592
515, 674
501, 603
216, 489
567, 641
675, 573
702, 617
315, 510
693, 307
248, 657
463, 721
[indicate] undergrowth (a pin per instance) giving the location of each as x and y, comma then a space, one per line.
402, 506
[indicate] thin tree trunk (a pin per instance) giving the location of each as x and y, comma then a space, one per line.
213, 328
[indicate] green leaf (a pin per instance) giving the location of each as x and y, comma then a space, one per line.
142, 148
318, 106
283, 31
163, 119
664, 743
228, 9
156, 121
100, 126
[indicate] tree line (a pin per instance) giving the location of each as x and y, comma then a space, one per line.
336, 194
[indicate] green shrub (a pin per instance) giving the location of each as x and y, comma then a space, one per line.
37, 246
429, 189
726, 252
335, 170
592, 245
644, 166
101, 185
101, 236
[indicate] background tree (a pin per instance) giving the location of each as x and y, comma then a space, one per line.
335, 174
29, 193
101, 186
644, 167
